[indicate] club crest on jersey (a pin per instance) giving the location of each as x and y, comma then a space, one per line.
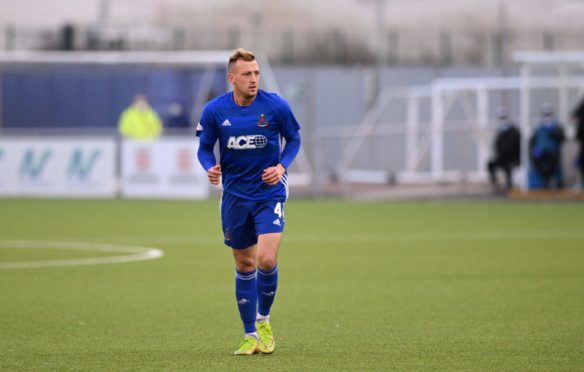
263, 122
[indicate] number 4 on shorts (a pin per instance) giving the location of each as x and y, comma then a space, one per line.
278, 210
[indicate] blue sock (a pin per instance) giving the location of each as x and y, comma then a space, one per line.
247, 298
267, 285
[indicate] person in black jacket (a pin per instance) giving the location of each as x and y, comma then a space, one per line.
578, 120
506, 147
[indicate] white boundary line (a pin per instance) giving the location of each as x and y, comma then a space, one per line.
136, 253
429, 237
388, 237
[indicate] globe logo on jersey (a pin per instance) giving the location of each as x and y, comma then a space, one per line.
254, 141
260, 141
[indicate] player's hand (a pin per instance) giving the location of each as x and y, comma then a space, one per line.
273, 175
214, 174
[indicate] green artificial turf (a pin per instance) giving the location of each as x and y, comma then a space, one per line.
472, 286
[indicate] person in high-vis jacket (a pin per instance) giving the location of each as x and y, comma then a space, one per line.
140, 121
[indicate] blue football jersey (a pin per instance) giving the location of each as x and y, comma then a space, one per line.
250, 140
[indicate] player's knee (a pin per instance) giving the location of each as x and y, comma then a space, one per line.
266, 263
245, 264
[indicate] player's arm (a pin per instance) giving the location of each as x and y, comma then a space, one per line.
273, 175
290, 130
214, 174
291, 149
207, 159
207, 138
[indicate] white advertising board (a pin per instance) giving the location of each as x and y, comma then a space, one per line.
166, 168
61, 167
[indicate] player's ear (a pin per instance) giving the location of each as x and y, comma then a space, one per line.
230, 77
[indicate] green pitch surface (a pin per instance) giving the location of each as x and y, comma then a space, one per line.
363, 286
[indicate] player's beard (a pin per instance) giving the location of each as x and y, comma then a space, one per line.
246, 94
251, 92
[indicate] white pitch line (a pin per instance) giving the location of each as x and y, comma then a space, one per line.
421, 237
136, 254
437, 236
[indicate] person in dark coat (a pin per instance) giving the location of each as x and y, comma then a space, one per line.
506, 148
545, 149
578, 120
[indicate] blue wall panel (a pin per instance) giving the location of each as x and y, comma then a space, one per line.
92, 96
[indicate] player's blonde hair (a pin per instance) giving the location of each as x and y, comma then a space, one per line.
242, 54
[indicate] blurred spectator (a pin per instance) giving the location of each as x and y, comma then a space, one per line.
177, 117
578, 119
139, 120
545, 148
506, 148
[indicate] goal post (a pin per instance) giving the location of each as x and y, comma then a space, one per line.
442, 132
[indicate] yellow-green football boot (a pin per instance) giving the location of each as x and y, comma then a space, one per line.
249, 346
267, 344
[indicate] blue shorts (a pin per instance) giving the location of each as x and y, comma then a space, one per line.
243, 220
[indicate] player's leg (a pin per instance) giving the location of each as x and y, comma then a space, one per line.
267, 262
267, 285
246, 287
239, 232
270, 225
246, 296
